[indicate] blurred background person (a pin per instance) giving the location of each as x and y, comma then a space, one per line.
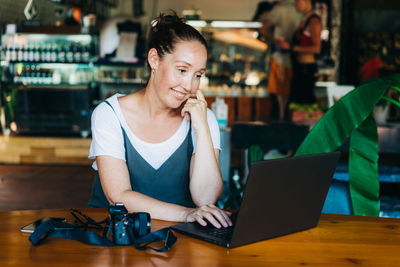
263, 8
284, 19
306, 43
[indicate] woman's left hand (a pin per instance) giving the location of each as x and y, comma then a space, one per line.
196, 110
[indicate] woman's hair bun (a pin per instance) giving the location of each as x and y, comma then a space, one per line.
166, 20
168, 29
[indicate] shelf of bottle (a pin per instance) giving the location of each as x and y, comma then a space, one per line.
121, 81
4, 62
236, 94
94, 62
62, 86
111, 62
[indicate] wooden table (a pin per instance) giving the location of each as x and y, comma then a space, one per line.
338, 240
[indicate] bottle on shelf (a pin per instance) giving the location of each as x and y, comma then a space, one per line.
69, 54
13, 53
43, 53
220, 109
25, 56
20, 52
85, 53
7, 56
53, 54
31, 51
36, 53
56, 77
77, 52
48, 52
33, 75
61, 53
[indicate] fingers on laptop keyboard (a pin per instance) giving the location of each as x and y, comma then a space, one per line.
215, 216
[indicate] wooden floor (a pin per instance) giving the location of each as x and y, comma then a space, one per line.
44, 187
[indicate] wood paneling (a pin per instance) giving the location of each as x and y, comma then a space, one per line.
262, 109
231, 102
44, 187
44, 150
244, 108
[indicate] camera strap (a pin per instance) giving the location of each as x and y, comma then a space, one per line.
53, 228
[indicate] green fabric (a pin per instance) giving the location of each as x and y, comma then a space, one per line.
255, 153
351, 117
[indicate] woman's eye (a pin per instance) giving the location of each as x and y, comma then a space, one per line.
182, 70
199, 76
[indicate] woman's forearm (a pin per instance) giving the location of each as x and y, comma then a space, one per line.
206, 182
137, 202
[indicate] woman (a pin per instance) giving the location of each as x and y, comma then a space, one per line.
157, 150
284, 19
306, 43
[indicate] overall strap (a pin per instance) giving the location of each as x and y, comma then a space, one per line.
108, 103
120, 124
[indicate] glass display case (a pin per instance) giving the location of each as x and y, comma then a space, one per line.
237, 68
238, 62
47, 82
118, 77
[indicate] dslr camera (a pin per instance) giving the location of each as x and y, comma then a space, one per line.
128, 226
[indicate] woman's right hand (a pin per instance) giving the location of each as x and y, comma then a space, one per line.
210, 213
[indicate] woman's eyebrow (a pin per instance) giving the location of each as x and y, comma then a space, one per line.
184, 62
190, 65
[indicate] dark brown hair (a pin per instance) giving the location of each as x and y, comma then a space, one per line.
168, 29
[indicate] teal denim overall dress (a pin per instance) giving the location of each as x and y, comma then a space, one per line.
168, 183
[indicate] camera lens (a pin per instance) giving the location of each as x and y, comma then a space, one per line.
142, 223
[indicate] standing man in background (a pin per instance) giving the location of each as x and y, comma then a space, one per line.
285, 19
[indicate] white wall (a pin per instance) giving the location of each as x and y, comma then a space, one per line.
12, 11
214, 9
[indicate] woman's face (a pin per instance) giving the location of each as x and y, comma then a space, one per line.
178, 74
300, 5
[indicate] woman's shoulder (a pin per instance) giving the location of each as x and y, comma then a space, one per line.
314, 18
107, 107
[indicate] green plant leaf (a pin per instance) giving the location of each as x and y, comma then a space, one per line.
396, 103
396, 88
343, 120
363, 169
338, 123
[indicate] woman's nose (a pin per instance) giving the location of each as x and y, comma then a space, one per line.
187, 84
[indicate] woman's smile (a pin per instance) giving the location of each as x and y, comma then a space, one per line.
179, 95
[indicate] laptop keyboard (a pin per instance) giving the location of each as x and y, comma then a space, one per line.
222, 233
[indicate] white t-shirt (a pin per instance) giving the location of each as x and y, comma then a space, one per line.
108, 140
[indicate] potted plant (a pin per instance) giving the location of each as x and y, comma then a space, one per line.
305, 113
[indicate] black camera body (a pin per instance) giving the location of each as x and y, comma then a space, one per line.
128, 226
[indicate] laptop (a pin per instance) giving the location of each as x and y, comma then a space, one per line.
282, 196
